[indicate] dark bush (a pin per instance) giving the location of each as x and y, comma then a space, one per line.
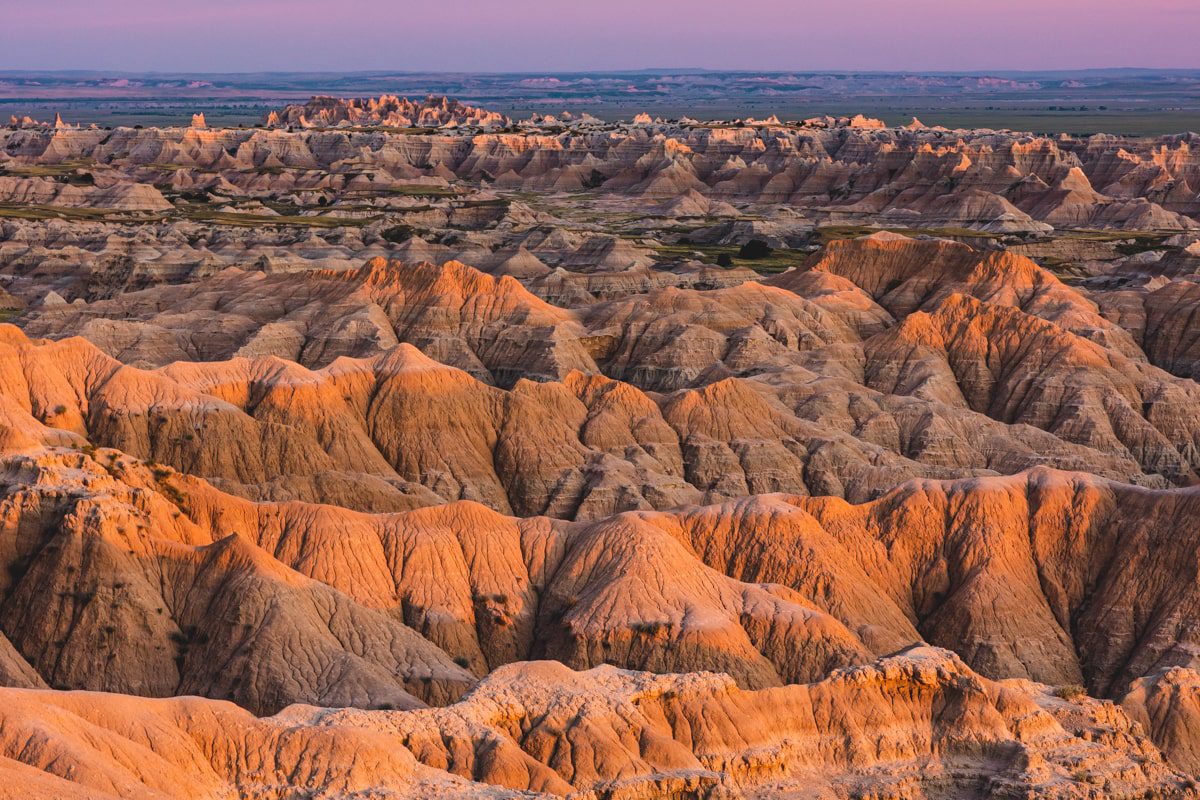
755, 248
18, 569
397, 234
595, 180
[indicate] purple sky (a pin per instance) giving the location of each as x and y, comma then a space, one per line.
478, 35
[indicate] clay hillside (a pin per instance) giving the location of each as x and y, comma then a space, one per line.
399, 449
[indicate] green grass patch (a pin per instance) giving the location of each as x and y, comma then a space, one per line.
1147, 238
778, 261
259, 221
830, 233
419, 190
44, 170
36, 212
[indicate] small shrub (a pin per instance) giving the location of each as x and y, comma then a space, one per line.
1071, 691
650, 628
17, 569
462, 661
724, 260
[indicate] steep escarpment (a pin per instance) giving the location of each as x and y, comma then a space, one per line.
474, 321
1166, 705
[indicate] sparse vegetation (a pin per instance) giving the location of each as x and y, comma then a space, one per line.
1070, 691
728, 256
651, 627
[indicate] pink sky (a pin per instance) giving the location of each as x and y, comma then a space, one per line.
503, 35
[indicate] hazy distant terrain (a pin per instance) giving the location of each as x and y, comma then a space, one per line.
1113, 101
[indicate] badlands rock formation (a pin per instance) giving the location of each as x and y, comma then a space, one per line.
386, 111
885, 358
973, 553
922, 725
989, 181
597, 460
1057, 577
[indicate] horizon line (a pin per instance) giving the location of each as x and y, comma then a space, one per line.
610, 71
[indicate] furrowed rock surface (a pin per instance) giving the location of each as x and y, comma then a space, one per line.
400, 430
919, 724
270, 604
1167, 705
1057, 577
995, 181
882, 352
